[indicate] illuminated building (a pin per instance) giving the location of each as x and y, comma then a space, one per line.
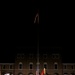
25, 64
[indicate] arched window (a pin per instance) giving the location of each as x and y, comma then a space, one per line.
45, 65
2, 73
56, 74
65, 73
47, 74
55, 56
45, 56
20, 65
30, 74
20, 74
72, 74
55, 65
31, 65
30, 56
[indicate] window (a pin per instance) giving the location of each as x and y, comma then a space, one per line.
31, 66
53, 56
30, 74
18, 56
72, 74
22, 56
72, 67
3, 66
10, 66
65, 73
64, 66
57, 56
30, 56
55, 65
56, 74
45, 65
20, 65
45, 56
20, 74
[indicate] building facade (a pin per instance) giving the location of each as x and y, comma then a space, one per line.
26, 64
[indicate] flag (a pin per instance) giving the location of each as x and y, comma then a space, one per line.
36, 20
43, 72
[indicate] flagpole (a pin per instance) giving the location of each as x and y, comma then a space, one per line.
38, 48
36, 22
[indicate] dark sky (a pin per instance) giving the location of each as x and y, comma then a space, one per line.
56, 33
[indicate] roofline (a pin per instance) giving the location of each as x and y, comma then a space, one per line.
7, 63
68, 63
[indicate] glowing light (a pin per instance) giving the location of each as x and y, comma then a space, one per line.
7, 74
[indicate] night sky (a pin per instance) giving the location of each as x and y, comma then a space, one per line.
18, 33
